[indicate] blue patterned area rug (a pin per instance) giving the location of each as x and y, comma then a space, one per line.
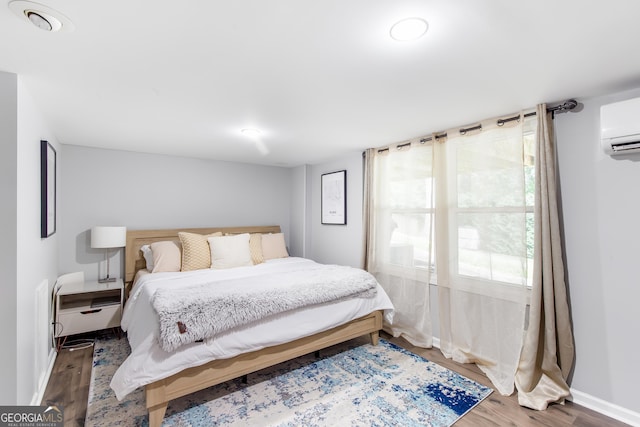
381, 385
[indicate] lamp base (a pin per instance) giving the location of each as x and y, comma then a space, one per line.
107, 280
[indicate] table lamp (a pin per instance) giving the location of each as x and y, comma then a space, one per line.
105, 238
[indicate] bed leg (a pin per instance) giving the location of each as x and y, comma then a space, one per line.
375, 337
156, 414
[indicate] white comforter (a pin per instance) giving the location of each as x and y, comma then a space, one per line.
148, 362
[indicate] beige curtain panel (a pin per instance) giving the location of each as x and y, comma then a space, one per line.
548, 350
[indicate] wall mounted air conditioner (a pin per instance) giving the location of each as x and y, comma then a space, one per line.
620, 127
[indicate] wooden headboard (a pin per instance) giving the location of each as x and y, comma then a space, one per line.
134, 261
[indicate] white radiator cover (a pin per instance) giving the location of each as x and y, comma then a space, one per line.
45, 355
41, 333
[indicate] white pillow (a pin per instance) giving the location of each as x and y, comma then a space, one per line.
230, 251
147, 253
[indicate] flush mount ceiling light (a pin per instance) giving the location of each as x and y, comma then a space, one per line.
41, 16
255, 135
251, 132
409, 29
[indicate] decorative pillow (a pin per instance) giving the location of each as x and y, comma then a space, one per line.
230, 251
166, 256
255, 247
273, 246
195, 250
147, 253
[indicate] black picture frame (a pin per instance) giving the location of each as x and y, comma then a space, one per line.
333, 204
47, 189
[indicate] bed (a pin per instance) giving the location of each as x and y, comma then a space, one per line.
196, 366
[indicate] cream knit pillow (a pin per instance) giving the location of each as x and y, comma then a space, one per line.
196, 254
255, 247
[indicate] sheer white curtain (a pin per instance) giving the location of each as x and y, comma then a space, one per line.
484, 225
399, 204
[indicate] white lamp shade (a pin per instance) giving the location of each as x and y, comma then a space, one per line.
108, 237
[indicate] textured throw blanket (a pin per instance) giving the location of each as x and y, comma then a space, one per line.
203, 311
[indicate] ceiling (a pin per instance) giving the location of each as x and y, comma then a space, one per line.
319, 78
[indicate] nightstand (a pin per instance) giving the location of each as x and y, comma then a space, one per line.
86, 307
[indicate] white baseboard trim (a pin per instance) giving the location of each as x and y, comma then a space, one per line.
606, 408
596, 404
37, 397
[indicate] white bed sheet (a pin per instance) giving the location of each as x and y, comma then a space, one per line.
148, 362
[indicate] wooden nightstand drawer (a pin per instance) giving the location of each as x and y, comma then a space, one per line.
88, 319
86, 307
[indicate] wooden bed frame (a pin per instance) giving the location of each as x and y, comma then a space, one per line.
159, 393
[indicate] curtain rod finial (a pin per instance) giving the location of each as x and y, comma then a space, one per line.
570, 104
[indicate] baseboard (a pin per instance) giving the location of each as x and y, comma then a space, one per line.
601, 406
606, 408
37, 397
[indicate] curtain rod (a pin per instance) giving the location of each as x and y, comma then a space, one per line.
567, 105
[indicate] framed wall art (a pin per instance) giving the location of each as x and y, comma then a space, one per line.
47, 189
334, 198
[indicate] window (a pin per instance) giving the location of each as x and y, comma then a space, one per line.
491, 195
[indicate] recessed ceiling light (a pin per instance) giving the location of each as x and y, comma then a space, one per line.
42, 22
251, 132
409, 29
41, 16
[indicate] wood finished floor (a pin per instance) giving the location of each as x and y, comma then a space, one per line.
69, 387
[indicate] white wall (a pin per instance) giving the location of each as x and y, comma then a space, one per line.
37, 257
142, 191
601, 207
26, 260
338, 244
8, 235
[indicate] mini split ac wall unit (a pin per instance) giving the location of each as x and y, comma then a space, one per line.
620, 127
